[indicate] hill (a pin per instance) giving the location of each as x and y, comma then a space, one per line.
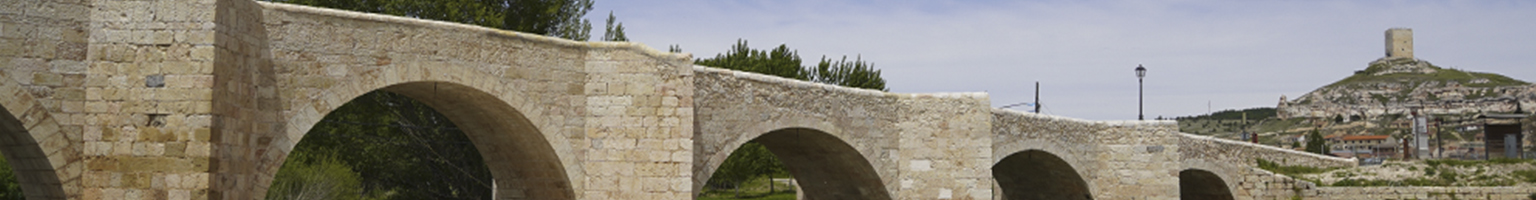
1395, 86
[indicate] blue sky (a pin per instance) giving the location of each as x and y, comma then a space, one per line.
1230, 54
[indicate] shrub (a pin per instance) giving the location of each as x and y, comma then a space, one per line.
1528, 176
10, 188
315, 177
1290, 170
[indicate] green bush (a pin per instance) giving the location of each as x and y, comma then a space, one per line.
316, 177
10, 188
1449, 175
1290, 170
1528, 176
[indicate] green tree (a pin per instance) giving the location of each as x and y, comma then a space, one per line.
857, 73
614, 32
780, 61
308, 176
1315, 143
784, 62
398, 144
10, 187
749, 161
557, 18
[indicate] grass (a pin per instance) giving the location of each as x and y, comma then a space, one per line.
1442, 173
775, 196
1528, 176
1294, 172
757, 188
1289, 170
1441, 75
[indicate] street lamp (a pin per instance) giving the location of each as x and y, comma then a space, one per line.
1140, 92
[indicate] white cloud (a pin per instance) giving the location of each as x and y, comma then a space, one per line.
1234, 54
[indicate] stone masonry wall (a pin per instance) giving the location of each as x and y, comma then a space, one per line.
946, 146
150, 134
1117, 159
244, 101
640, 114
44, 68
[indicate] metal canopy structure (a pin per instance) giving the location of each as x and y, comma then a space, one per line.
1502, 134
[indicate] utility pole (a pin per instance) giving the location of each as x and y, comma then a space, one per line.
1037, 96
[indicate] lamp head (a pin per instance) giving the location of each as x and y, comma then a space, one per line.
1141, 71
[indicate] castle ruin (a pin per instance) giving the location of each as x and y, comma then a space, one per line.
1400, 43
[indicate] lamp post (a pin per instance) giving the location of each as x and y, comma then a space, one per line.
1140, 92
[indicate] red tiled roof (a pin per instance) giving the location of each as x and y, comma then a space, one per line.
1366, 137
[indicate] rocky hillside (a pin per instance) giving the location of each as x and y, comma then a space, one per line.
1393, 86
1376, 101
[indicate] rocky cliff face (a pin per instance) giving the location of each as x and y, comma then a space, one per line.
1398, 85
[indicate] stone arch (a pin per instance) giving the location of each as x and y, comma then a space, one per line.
825, 165
1202, 184
527, 160
1038, 174
1206, 175
34, 144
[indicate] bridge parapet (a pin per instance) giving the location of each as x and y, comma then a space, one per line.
1228, 152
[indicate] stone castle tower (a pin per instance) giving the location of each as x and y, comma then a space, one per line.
1400, 43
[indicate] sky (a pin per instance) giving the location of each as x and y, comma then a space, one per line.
1200, 55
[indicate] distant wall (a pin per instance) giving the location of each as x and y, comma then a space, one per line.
1197, 147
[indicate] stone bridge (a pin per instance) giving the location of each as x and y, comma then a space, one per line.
205, 99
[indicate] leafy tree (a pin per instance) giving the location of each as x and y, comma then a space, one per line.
783, 62
1315, 143
780, 61
558, 18
309, 176
614, 33
749, 161
398, 144
10, 187
857, 74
